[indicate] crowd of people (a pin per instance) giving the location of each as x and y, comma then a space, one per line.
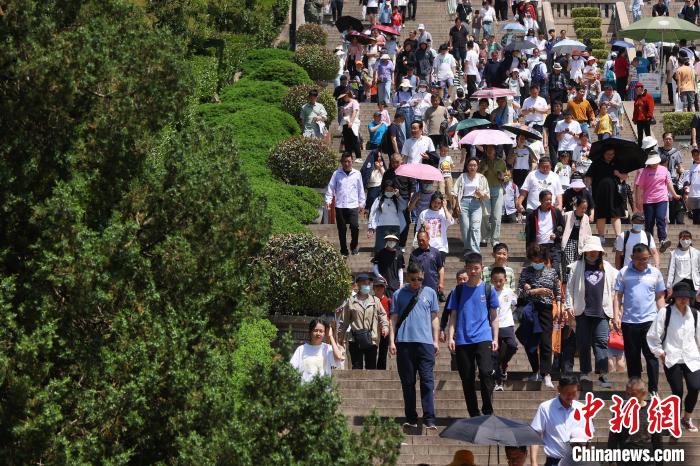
549, 178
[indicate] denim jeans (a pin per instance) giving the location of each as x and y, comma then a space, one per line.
488, 27
470, 223
584, 128
476, 32
592, 331
656, 212
384, 91
491, 227
420, 358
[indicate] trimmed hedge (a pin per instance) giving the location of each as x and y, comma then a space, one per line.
585, 12
598, 43
588, 33
678, 122
587, 22
297, 96
303, 161
308, 274
319, 61
311, 34
270, 92
255, 59
600, 54
285, 72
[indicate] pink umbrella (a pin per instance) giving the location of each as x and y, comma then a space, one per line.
492, 93
420, 171
386, 29
485, 137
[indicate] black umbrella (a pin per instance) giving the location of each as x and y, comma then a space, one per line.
492, 430
346, 22
628, 155
520, 45
522, 130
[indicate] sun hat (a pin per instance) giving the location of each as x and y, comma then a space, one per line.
405, 83
557, 66
385, 56
682, 290
648, 142
592, 244
421, 27
463, 458
390, 236
653, 159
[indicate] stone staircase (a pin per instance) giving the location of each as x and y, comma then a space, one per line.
365, 391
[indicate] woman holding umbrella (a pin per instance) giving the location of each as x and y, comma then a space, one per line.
470, 189
604, 178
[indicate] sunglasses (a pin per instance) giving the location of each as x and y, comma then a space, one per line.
415, 279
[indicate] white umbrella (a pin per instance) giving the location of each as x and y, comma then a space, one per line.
568, 46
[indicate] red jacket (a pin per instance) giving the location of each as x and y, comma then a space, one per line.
621, 66
643, 107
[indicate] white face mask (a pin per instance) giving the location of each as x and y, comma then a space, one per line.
391, 244
685, 243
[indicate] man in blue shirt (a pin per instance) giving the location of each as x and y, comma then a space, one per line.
642, 287
473, 334
414, 317
430, 261
376, 128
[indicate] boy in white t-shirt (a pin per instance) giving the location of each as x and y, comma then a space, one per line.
563, 169
507, 344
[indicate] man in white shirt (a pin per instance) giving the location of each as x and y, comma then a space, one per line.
568, 131
347, 188
535, 109
576, 65
423, 35
555, 421
419, 148
625, 242
472, 70
694, 188
536, 181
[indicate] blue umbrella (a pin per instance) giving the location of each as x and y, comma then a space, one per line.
623, 44
514, 27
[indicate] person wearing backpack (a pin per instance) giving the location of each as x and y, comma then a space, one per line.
415, 343
675, 340
472, 334
625, 241
639, 294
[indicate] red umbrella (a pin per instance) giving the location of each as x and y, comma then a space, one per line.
386, 29
420, 171
363, 39
493, 93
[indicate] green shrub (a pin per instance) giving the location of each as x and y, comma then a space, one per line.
261, 127
303, 161
600, 54
236, 47
319, 61
297, 96
285, 72
588, 33
587, 22
290, 207
678, 122
312, 34
254, 59
598, 43
206, 76
270, 92
585, 12
307, 273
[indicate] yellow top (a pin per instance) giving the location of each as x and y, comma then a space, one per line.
604, 125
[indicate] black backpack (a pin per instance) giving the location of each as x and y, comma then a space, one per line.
487, 294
